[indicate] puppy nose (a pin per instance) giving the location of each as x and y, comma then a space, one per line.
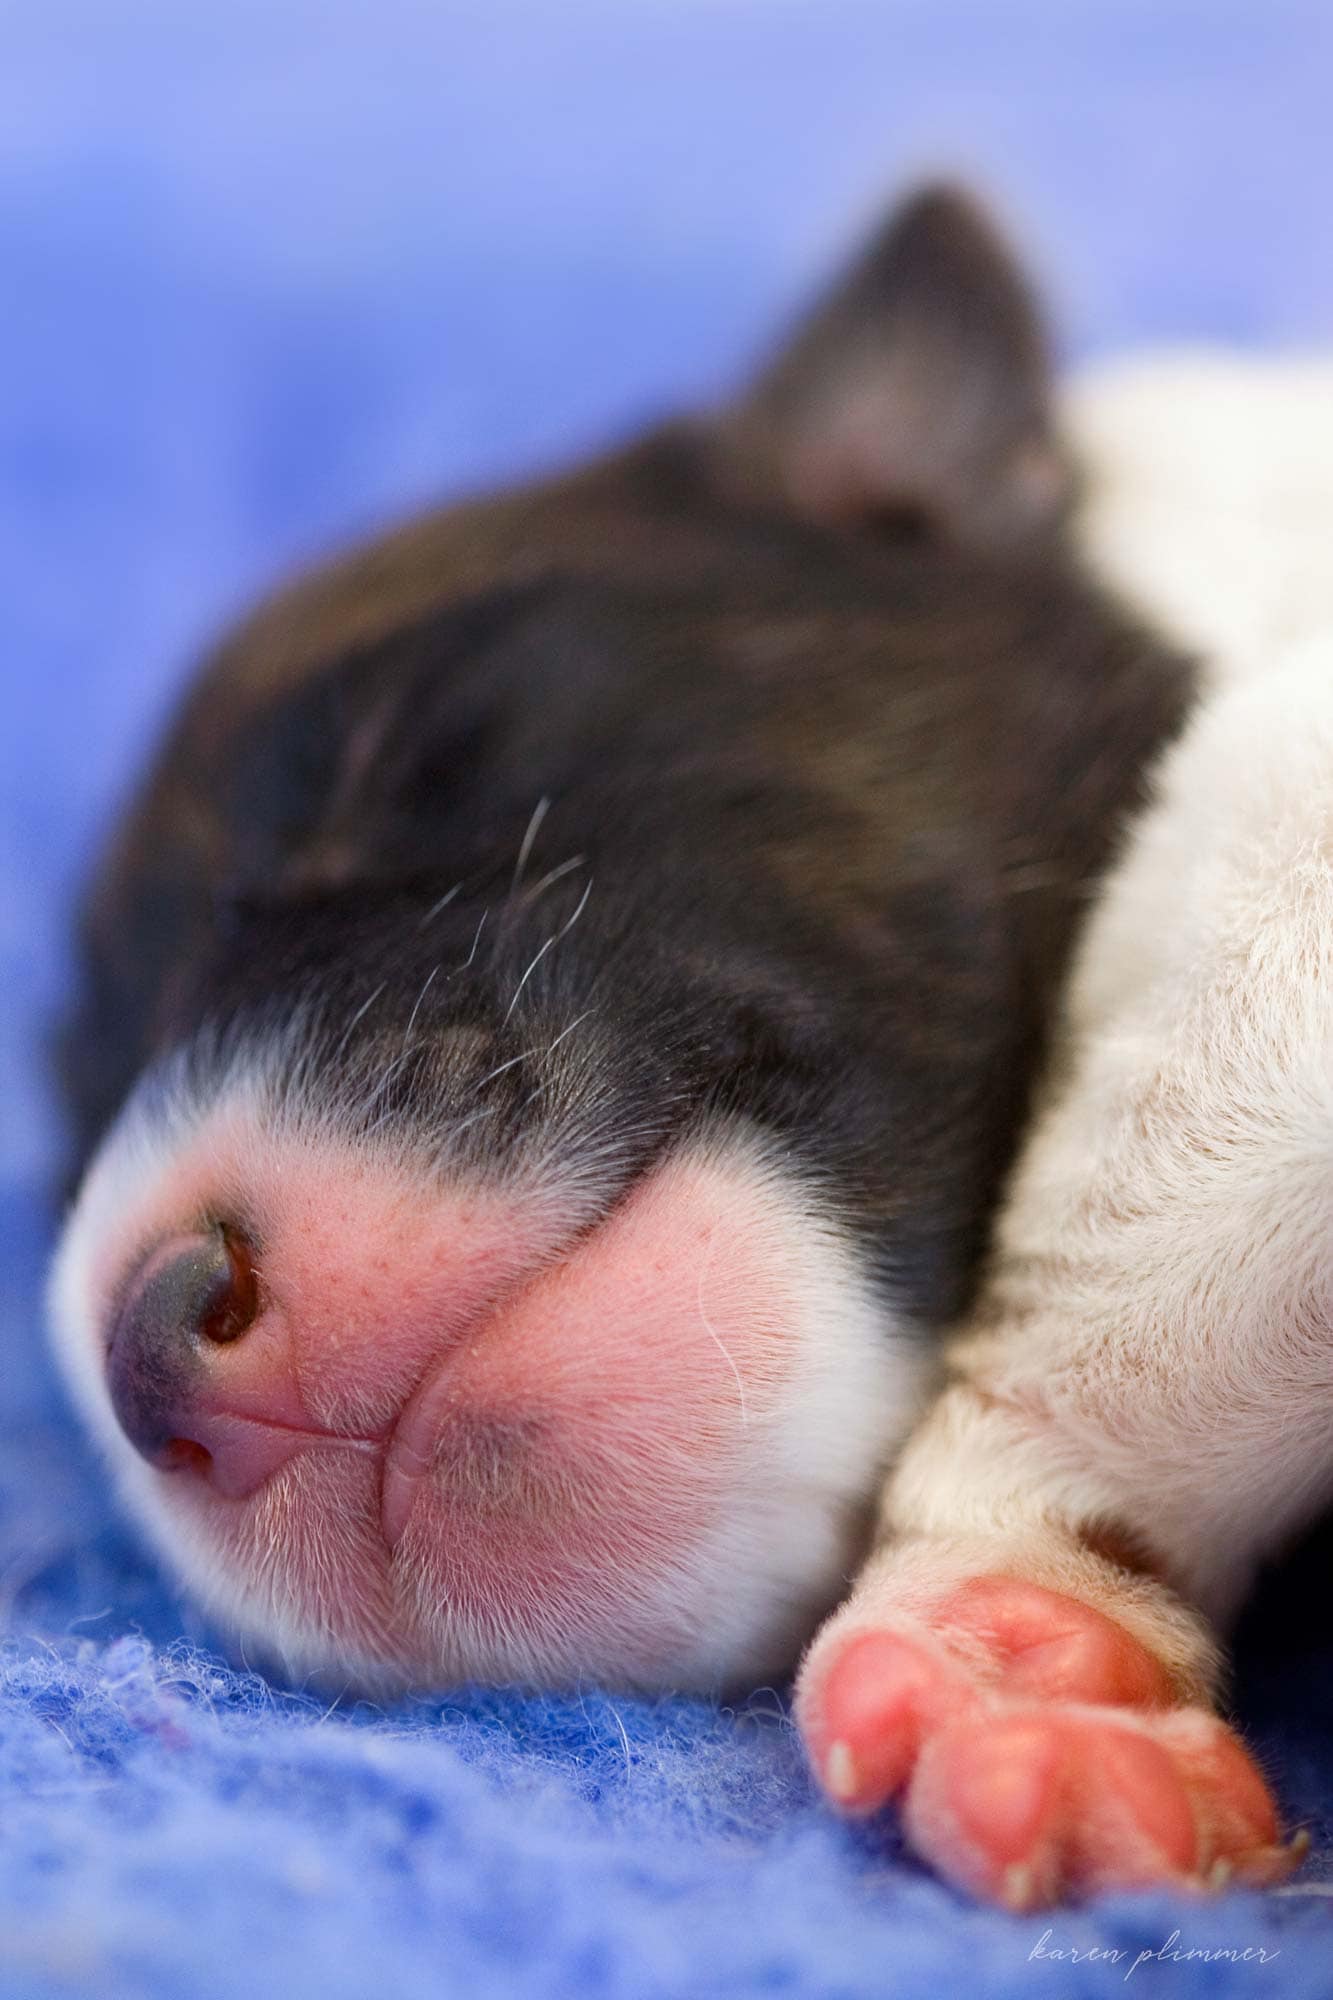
190, 1301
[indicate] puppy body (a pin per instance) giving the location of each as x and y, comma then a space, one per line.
1137, 1410
1166, 1216
557, 1022
1187, 1096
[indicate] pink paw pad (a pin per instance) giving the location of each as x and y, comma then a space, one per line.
1035, 1750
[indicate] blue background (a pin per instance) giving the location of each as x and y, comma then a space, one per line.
271, 275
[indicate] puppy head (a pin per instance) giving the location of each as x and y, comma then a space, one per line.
481, 1266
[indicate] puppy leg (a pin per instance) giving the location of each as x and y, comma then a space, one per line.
1139, 1410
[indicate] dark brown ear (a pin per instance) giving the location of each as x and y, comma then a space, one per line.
917, 395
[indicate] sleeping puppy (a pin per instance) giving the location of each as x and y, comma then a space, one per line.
557, 1020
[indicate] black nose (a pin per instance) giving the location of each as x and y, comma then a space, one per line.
190, 1295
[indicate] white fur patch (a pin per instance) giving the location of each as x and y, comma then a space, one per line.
303, 1568
1155, 1348
1210, 500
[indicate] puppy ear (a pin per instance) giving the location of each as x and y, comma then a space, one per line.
917, 396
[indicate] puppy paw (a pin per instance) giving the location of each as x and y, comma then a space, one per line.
1036, 1747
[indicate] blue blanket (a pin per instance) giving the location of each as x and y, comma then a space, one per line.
273, 272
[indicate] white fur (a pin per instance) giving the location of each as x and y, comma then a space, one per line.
855, 1382
808, 1451
1210, 500
1155, 1347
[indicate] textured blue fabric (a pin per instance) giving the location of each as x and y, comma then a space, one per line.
274, 271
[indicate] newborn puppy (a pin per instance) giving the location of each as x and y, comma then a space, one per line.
557, 1018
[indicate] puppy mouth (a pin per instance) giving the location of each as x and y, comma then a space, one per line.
457, 1403
234, 1456
468, 1400
231, 1437
410, 1448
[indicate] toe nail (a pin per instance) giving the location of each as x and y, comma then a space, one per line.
1263, 1866
1018, 1887
840, 1777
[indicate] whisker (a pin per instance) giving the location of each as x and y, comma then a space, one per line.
383, 1084
539, 813
500, 1069
581, 906
475, 942
532, 967
577, 1022
487, 1111
412, 1017
554, 938
555, 874
525, 1054
443, 903
363, 1009
716, 1339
